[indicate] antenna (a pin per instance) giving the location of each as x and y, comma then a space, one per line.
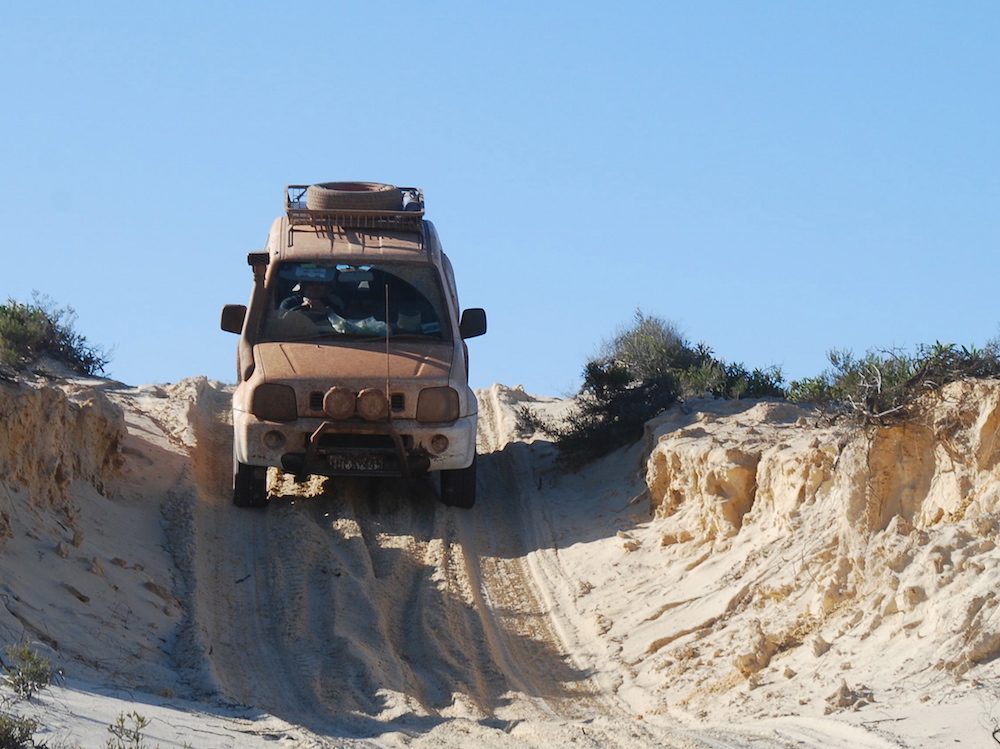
388, 393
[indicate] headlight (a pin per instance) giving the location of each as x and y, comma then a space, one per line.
437, 404
274, 402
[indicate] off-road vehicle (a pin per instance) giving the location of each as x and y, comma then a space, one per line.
352, 358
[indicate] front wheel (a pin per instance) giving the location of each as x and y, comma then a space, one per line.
458, 487
249, 485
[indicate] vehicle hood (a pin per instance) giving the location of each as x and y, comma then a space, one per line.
351, 361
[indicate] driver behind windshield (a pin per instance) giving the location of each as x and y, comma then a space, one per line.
314, 298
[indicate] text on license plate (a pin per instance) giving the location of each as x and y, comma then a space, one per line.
356, 462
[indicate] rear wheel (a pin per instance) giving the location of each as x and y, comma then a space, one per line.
458, 487
249, 485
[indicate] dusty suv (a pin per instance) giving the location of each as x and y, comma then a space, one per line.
352, 356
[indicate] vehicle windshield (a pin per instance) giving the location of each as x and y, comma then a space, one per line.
312, 300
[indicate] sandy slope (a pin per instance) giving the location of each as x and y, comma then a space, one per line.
747, 577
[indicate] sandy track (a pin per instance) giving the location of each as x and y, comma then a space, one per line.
364, 608
354, 600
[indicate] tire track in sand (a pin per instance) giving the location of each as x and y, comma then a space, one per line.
355, 600
510, 598
353, 608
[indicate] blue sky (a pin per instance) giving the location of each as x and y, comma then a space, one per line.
777, 178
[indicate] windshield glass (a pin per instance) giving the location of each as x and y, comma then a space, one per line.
312, 300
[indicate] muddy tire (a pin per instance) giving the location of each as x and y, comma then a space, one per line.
249, 485
359, 196
458, 487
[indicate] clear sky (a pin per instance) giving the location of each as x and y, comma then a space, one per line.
778, 178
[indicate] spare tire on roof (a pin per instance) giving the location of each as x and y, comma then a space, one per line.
359, 196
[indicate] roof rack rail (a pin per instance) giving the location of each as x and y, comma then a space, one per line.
410, 218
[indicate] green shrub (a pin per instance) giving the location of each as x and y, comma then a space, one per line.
28, 671
38, 329
651, 346
721, 379
16, 732
883, 384
604, 419
126, 731
647, 367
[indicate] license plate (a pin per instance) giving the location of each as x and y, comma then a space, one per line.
354, 462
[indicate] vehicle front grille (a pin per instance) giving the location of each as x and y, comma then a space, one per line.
397, 401
354, 441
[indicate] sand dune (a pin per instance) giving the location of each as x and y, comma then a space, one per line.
750, 575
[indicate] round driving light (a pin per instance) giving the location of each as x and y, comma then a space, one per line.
372, 404
439, 443
273, 440
338, 403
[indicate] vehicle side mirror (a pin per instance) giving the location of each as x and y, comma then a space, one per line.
233, 316
473, 323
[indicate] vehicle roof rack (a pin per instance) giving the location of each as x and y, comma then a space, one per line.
409, 219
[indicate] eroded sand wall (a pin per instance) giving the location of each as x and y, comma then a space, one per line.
723, 470
51, 437
848, 543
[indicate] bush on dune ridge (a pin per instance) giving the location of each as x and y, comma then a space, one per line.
644, 369
648, 366
38, 329
882, 385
